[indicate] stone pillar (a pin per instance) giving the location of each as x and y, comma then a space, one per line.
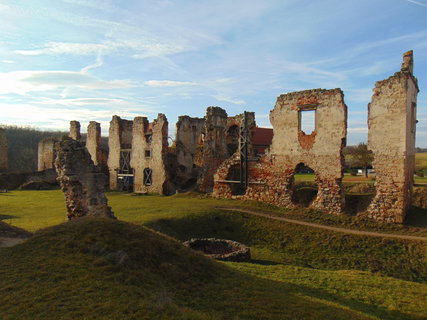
214, 147
120, 138
93, 142
3, 150
149, 152
46, 154
391, 137
81, 181
75, 130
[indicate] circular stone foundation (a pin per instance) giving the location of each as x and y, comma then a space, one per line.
225, 250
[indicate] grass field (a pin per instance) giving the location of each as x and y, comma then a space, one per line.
98, 267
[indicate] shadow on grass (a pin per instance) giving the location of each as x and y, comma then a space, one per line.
416, 217
6, 216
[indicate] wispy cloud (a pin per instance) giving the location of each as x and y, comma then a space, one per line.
418, 3
229, 99
169, 83
22, 82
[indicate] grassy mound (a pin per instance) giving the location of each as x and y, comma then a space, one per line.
104, 269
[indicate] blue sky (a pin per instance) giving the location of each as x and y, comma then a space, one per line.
88, 60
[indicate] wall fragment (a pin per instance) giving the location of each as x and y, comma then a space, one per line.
391, 137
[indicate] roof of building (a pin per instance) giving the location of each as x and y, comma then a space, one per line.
262, 136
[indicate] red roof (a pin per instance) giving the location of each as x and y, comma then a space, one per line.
262, 136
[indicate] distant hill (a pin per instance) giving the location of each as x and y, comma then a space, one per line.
22, 146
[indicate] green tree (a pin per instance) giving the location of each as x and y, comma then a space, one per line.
359, 156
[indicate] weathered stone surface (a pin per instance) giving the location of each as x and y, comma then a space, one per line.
225, 250
46, 154
93, 144
271, 179
80, 180
75, 130
120, 138
3, 150
149, 153
391, 137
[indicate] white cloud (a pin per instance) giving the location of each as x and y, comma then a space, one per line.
229, 99
169, 83
22, 82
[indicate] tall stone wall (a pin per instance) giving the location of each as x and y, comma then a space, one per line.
3, 151
149, 153
93, 144
391, 137
189, 141
75, 130
271, 179
120, 138
46, 154
81, 181
214, 147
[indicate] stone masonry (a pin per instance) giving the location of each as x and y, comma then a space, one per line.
80, 180
46, 154
271, 178
93, 144
120, 139
75, 130
391, 137
3, 150
149, 153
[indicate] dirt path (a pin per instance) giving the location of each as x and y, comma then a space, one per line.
321, 226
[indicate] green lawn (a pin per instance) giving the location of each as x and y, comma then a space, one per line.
75, 270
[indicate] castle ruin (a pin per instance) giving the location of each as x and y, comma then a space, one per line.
3, 151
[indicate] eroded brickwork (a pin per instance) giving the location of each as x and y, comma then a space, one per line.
391, 137
93, 144
3, 150
75, 130
46, 154
271, 178
189, 141
81, 181
120, 138
149, 153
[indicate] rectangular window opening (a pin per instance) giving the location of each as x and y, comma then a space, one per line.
148, 153
307, 121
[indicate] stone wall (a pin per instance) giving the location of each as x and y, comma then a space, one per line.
75, 130
149, 154
80, 180
93, 144
271, 178
214, 147
46, 154
391, 137
3, 151
189, 139
120, 138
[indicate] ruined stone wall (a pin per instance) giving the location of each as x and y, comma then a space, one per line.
75, 130
233, 132
188, 142
214, 147
93, 144
81, 181
391, 137
271, 178
120, 138
149, 152
46, 154
3, 150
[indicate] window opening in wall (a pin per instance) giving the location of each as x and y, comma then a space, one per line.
148, 177
148, 153
201, 138
307, 121
125, 167
148, 138
232, 139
